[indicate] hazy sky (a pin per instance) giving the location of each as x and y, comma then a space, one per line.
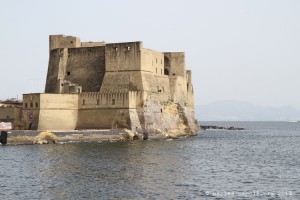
238, 50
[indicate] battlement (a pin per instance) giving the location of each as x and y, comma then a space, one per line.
112, 99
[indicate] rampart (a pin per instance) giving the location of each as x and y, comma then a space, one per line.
113, 85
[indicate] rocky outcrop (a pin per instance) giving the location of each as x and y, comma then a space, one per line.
131, 135
166, 119
213, 127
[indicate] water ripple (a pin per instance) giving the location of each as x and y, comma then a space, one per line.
260, 163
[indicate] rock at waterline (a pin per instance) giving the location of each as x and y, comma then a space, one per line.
213, 127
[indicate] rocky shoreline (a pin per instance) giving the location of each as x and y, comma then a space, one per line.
29, 137
213, 127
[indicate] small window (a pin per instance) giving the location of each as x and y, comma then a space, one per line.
156, 60
71, 42
31, 105
7, 117
26, 105
160, 71
98, 102
160, 61
156, 70
36, 105
161, 110
68, 73
83, 102
78, 90
113, 102
62, 84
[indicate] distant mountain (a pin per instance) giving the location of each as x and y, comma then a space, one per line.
242, 111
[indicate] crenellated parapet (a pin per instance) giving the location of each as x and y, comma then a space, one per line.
112, 99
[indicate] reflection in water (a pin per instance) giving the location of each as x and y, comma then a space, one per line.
263, 159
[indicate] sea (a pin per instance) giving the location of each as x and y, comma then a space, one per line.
260, 162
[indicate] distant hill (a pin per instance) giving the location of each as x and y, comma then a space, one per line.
242, 111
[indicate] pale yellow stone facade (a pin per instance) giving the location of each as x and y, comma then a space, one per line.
98, 85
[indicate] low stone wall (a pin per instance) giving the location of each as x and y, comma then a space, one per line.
23, 137
16, 137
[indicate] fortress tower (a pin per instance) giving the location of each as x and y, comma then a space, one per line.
114, 85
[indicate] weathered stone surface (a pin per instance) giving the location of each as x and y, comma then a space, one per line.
128, 134
114, 86
41, 142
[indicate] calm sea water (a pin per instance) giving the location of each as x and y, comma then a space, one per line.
262, 162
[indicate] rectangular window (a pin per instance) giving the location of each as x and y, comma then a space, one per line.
113, 102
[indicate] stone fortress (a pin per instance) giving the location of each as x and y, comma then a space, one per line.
98, 85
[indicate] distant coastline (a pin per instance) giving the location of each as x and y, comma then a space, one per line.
243, 111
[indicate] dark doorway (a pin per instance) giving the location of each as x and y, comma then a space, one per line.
166, 71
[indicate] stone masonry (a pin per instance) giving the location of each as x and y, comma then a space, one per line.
98, 85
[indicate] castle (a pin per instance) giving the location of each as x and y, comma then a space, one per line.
98, 85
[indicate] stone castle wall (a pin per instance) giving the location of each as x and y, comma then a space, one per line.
84, 66
11, 113
50, 111
107, 110
114, 85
